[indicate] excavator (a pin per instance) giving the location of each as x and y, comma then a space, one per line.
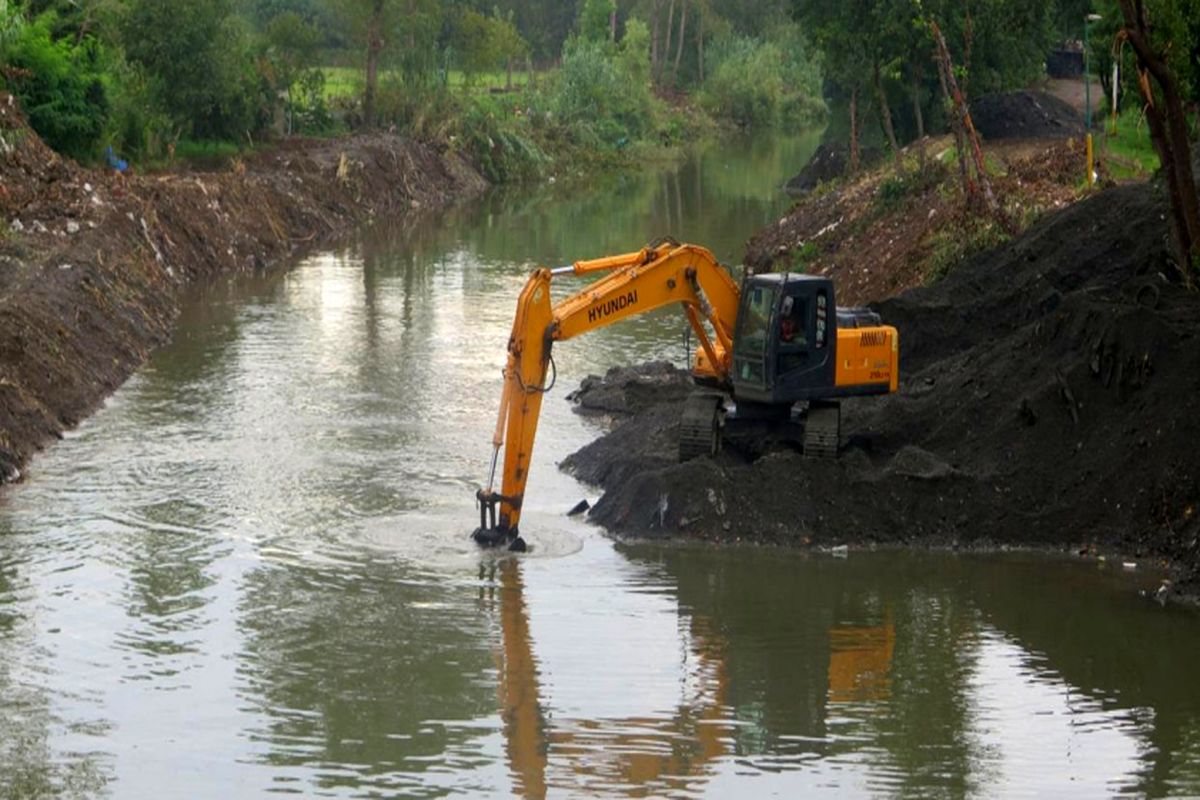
775, 354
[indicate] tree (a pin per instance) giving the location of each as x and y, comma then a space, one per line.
59, 84
595, 19
11, 23
1157, 32
292, 48
197, 61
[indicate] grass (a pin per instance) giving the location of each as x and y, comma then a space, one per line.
1128, 152
343, 82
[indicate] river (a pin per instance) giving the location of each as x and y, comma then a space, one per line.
250, 571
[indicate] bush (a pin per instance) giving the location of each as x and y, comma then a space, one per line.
746, 82
59, 86
756, 83
599, 86
500, 151
198, 67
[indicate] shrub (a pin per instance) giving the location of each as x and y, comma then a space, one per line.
59, 85
601, 85
746, 84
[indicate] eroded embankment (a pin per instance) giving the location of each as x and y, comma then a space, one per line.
92, 264
1050, 395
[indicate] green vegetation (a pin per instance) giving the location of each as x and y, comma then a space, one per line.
519, 86
1128, 152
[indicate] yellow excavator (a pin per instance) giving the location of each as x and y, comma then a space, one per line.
776, 353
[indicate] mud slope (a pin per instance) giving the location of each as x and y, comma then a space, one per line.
92, 264
1051, 394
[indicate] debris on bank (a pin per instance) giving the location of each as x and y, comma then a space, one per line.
1050, 396
884, 231
92, 262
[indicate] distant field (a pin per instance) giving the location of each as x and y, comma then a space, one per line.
348, 81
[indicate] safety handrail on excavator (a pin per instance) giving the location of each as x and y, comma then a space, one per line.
660, 274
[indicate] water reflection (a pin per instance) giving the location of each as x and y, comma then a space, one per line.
636, 755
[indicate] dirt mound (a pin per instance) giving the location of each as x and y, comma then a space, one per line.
1051, 395
92, 263
828, 163
883, 232
1025, 115
627, 390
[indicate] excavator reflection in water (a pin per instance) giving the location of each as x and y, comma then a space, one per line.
650, 755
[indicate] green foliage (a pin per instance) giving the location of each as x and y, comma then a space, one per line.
502, 153
600, 89
746, 82
594, 19
11, 24
485, 43
59, 85
955, 244
756, 83
197, 65
291, 53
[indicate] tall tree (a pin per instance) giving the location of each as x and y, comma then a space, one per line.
1154, 30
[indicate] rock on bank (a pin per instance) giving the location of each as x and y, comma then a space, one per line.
1050, 395
92, 264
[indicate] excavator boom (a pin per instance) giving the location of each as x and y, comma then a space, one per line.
661, 274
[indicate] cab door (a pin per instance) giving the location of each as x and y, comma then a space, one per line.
804, 355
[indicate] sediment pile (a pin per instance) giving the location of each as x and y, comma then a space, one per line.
1050, 395
92, 263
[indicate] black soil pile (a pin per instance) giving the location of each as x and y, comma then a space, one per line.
1050, 395
92, 263
1025, 115
828, 163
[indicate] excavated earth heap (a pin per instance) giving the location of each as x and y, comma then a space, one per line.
1050, 395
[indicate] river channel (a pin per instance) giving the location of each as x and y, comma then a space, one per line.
250, 572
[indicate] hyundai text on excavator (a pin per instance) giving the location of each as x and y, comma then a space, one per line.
777, 352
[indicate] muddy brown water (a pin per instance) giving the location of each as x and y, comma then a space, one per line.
250, 573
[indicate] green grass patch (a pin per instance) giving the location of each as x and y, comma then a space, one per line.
953, 244
347, 82
1128, 151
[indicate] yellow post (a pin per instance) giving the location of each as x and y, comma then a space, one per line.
1091, 168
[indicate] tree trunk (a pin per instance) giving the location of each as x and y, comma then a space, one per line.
655, 27
963, 114
679, 45
700, 41
960, 141
854, 131
885, 115
919, 115
1168, 131
374, 47
666, 53
612, 26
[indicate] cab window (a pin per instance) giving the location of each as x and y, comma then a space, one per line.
755, 322
793, 323
822, 318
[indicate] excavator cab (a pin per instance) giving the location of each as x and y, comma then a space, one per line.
792, 343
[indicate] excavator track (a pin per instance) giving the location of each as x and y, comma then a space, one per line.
700, 426
822, 430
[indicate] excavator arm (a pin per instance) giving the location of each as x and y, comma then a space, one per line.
631, 284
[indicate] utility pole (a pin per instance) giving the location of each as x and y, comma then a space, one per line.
1087, 97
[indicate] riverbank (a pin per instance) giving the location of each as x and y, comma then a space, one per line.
92, 264
1049, 398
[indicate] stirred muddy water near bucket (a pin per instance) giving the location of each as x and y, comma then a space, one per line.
251, 572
